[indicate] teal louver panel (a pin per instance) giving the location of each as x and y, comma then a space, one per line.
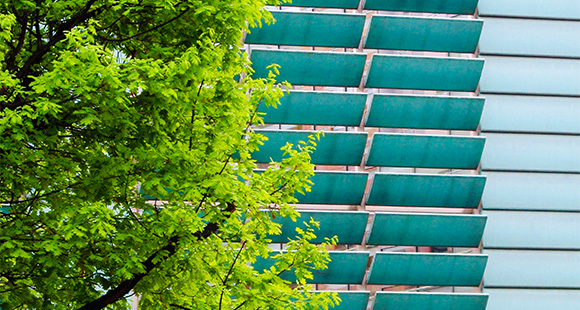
310, 29
434, 112
430, 301
427, 269
532, 230
424, 34
430, 73
532, 299
427, 229
317, 108
435, 6
424, 190
533, 269
348, 226
337, 188
352, 300
426, 151
311, 68
338, 4
343, 268
334, 148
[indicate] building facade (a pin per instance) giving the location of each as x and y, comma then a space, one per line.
398, 88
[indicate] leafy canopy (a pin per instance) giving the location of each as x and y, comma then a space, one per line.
104, 100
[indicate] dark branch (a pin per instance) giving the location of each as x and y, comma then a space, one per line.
126, 286
180, 307
229, 273
60, 35
212, 227
148, 30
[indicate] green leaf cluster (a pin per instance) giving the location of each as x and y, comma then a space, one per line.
104, 100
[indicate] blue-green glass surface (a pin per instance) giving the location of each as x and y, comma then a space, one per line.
340, 4
343, 268
427, 229
348, 226
429, 301
424, 34
334, 148
435, 6
352, 300
310, 29
430, 73
317, 108
427, 269
311, 68
425, 190
435, 112
402, 150
338, 188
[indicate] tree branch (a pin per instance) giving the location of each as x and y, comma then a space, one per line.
229, 273
126, 286
11, 59
148, 30
60, 35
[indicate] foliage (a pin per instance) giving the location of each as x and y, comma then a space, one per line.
102, 100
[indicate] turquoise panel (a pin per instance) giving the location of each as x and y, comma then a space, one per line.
532, 299
334, 148
427, 269
311, 68
311, 29
352, 300
534, 269
436, 6
317, 108
426, 190
531, 114
343, 268
338, 188
524, 152
424, 34
532, 230
340, 4
430, 301
403, 111
562, 9
530, 37
533, 76
400, 150
531, 191
427, 230
349, 227
415, 72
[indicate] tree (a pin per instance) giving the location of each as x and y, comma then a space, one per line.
103, 101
